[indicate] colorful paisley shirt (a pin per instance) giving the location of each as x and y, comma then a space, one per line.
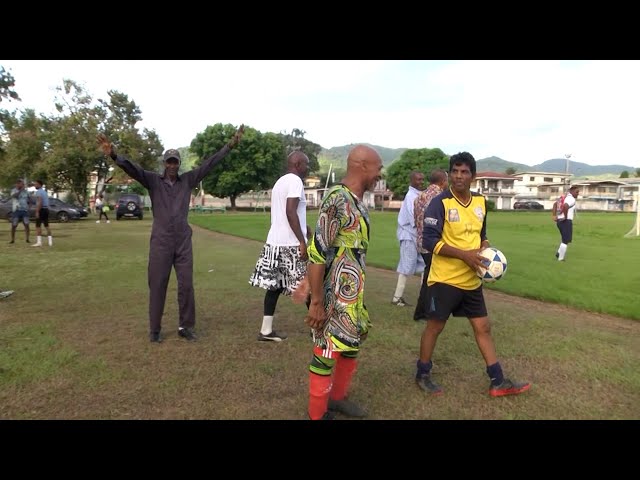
340, 242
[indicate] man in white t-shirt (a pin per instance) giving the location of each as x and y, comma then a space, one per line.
283, 260
564, 221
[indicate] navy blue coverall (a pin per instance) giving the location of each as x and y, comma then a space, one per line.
170, 244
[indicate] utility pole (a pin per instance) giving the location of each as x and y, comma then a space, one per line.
566, 168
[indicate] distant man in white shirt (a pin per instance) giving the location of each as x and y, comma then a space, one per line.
283, 260
564, 221
411, 261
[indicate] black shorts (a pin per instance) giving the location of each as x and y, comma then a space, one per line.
445, 300
43, 217
566, 230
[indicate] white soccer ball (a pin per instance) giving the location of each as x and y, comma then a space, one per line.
495, 265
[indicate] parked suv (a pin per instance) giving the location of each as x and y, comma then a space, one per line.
528, 205
130, 205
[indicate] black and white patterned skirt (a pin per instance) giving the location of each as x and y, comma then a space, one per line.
279, 267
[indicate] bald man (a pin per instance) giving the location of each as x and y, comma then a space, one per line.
337, 315
282, 263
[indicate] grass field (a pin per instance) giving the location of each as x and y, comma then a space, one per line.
74, 345
601, 272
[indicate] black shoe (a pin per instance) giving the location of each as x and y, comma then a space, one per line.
188, 334
427, 385
12, 241
507, 387
557, 254
154, 337
28, 241
328, 415
347, 407
272, 337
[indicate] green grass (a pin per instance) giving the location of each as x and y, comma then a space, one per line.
601, 272
74, 345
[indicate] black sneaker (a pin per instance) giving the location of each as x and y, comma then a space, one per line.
328, 415
427, 385
187, 334
507, 387
400, 302
272, 337
347, 407
154, 337
557, 255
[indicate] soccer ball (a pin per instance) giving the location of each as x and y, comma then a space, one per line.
496, 265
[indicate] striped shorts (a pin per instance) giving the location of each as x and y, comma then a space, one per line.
411, 262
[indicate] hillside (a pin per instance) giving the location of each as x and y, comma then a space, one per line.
338, 155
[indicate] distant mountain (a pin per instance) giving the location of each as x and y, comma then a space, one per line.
496, 164
338, 155
555, 165
582, 169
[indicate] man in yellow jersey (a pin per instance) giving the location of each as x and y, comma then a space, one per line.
455, 230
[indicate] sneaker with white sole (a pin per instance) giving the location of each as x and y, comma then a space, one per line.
271, 337
6, 293
400, 302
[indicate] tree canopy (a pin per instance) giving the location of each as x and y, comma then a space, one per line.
254, 164
422, 159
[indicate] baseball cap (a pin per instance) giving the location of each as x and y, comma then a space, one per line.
172, 153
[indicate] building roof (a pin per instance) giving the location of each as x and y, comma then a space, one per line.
556, 174
496, 175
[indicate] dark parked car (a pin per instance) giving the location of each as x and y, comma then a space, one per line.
130, 205
58, 210
528, 205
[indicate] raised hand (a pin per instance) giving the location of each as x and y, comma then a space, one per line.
105, 144
235, 140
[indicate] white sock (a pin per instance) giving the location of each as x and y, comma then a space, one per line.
402, 281
50, 238
267, 325
39, 240
562, 251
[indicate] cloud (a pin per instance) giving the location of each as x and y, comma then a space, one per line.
522, 111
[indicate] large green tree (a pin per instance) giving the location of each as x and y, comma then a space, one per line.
254, 164
26, 138
7, 92
422, 159
7, 84
296, 141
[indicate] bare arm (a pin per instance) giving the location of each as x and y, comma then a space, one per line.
294, 223
38, 205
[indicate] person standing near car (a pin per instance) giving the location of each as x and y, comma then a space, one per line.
20, 210
42, 214
170, 244
100, 208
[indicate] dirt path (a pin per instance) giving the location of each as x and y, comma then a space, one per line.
610, 322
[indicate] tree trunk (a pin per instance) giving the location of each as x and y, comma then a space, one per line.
232, 198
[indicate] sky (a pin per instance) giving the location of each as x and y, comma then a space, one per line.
524, 111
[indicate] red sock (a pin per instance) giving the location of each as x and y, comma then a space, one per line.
342, 375
319, 388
